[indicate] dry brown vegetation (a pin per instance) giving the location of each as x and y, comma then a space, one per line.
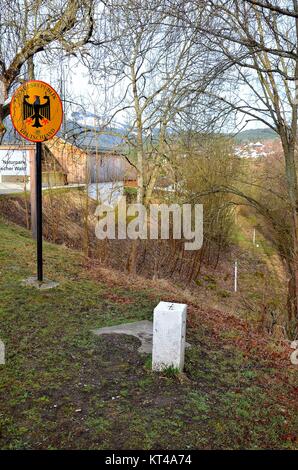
162, 263
64, 214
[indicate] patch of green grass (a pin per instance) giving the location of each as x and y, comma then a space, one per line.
224, 294
199, 402
249, 374
98, 424
145, 382
171, 371
238, 237
148, 362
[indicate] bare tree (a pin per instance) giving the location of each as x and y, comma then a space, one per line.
275, 7
28, 27
260, 41
155, 71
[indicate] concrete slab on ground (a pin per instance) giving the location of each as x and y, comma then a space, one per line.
143, 330
45, 285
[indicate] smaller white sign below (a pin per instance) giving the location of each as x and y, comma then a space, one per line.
14, 162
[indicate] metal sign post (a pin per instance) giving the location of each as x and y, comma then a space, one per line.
38, 200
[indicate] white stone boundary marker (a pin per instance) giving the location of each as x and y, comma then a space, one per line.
169, 328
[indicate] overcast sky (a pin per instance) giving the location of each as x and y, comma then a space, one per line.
78, 88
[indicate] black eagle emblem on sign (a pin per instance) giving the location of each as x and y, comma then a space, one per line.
37, 113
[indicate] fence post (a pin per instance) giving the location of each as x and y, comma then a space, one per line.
236, 276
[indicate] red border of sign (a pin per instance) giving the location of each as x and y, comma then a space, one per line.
10, 106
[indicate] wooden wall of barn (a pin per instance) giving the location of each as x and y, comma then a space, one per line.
106, 167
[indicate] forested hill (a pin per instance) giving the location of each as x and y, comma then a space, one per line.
255, 135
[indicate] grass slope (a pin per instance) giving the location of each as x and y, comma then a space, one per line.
62, 387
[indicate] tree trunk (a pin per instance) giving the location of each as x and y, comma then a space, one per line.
292, 303
3, 109
131, 265
151, 184
140, 178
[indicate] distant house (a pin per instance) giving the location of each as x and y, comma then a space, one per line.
251, 150
90, 165
258, 144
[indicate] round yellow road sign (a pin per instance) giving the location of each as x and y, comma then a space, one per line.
36, 111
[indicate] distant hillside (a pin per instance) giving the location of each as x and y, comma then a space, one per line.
255, 135
82, 136
80, 131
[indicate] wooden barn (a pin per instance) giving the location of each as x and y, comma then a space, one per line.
88, 166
